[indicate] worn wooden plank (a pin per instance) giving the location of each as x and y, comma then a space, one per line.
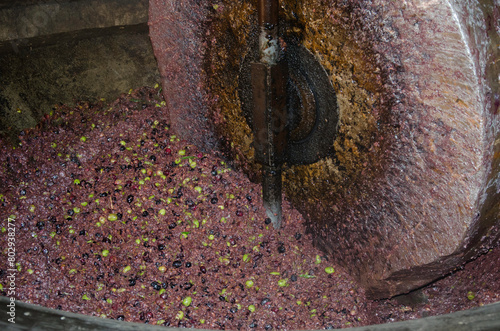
32, 317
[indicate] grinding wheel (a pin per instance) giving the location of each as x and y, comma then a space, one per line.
410, 188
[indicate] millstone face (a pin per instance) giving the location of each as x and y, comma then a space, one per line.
177, 34
412, 189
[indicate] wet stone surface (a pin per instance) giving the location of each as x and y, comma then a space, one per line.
406, 195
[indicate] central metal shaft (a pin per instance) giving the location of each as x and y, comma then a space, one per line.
269, 78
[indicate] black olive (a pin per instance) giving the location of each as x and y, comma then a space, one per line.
145, 213
177, 264
156, 285
40, 225
131, 282
122, 148
103, 194
267, 221
281, 248
75, 160
22, 192
268, 327
172, 225
298, 236
214, 200
130, 198
161, 247
71, 212
120, 317
188, 264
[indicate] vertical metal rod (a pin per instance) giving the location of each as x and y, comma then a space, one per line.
268, 39
267, 11
269, 77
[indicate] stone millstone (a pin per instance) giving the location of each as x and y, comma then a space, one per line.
177, 32
412, 189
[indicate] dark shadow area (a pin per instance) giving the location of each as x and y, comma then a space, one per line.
83, 65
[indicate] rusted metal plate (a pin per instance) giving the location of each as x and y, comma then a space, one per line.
412, 189
313, 112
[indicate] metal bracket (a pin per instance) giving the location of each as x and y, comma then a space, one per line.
293, 114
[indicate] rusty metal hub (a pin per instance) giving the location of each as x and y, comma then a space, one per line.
313, 113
